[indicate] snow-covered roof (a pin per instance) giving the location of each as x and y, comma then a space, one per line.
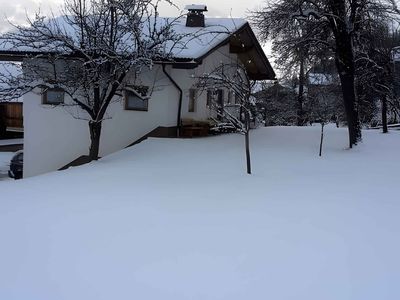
190, 45
197, 41
194, 42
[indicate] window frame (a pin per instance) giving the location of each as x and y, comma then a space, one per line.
45, 99
134, 91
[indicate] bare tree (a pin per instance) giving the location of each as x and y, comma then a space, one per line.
375, 72
231, 78
277, 103
333, 25
89, 53
323, 107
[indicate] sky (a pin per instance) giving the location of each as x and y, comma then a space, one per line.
224, 8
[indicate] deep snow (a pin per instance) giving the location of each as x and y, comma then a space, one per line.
180, 219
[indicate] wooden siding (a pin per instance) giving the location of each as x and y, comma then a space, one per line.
11, 113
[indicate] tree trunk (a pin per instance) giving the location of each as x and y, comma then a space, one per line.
265, 117
95, 131
346, 70
344, 58
300, 97
349, 99
247, 142
384, 115
322, 139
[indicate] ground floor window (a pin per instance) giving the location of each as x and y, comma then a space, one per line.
53, 96
238, 100
231, 96
136, 98
209, 98
215, 99
192, 100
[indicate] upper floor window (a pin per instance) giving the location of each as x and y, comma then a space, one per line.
53, 96
136, 98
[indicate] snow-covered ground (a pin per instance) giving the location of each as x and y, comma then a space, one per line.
180, 219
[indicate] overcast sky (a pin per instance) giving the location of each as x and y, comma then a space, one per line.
220, 8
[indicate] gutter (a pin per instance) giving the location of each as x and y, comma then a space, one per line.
178, 121
19, 56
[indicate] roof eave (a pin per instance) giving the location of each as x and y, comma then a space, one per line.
268, 75
19, 56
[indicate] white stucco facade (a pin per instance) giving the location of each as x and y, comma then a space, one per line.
57, 135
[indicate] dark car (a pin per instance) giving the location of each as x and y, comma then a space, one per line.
16, 165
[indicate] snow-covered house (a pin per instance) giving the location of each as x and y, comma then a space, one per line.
54, 136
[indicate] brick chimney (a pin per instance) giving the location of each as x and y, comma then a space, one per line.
195, 16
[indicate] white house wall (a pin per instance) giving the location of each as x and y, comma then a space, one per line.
51, 136
187, 79
54, 136
126, 126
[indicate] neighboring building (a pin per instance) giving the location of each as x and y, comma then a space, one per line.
53, 138
323, 84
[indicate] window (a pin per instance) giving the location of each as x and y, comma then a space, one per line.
209, 98
53, 96
237, 99
136, 98
192, 100
215, 98
230, 97
220, 103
